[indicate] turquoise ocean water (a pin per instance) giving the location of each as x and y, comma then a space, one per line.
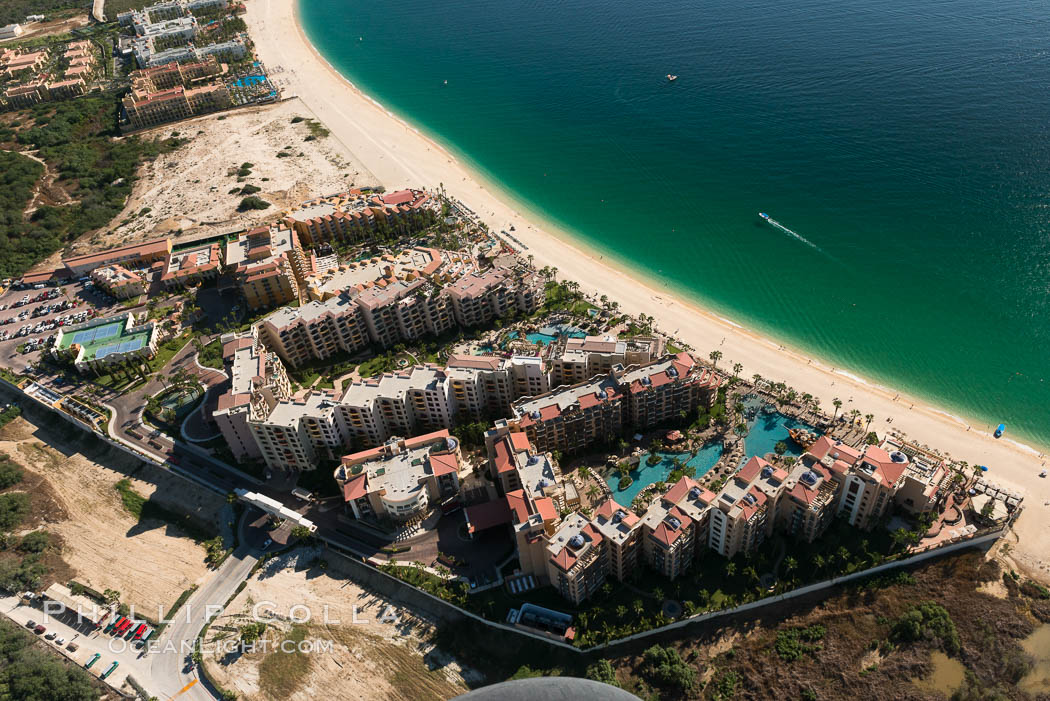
906, 144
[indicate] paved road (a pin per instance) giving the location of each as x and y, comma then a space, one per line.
170, 670
97, 10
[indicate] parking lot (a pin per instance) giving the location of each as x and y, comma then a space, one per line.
88, 643
31, 316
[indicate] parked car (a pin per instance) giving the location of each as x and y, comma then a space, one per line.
51, 635
30, 625
39, 630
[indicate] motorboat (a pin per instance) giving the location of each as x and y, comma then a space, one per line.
672, 78
999, 430
764, 215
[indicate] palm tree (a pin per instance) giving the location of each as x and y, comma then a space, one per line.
730, 569
819, 562
868, 418
790, 564
593, 492
737, 367
780, 448
853, 414
756, 378
838, 405
715, 356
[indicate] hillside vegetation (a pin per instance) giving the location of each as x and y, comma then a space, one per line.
95, 170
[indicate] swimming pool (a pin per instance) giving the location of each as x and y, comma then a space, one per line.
644, 474
250, 80
766, 430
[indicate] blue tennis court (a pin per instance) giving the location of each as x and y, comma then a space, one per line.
98, 333
126, 347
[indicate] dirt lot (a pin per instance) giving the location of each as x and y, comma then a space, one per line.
43, 29
190, 188
72, 477
369, 659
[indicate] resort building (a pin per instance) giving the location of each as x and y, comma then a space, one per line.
575, 360
148, 109
14, 63
136, 256
619, 527
357, 216
99, 343
479, 298
483, 386
25, 95
578, 563
294, 433
316, 330
66, 89
170, 75
402, 478
745, 511
326, 278
382, 313
675, 526
257, 378
267, 265
575, 417
192, 267
118, 281
808, 504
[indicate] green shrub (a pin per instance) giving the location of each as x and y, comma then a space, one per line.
13, 508
35, 542
603, 671
793, 643
928, 621
252, 202
664, 667
10, 472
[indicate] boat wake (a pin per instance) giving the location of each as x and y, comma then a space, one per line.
795, 235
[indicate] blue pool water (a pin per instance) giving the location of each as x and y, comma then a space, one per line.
250, 80
644, 475
544, 338
769, 429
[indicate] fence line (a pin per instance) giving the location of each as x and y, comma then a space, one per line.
372, 575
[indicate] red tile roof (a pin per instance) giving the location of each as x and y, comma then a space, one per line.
751, 469
355, 487
487, 515
519, 505
545, 508
444, 464
520, 442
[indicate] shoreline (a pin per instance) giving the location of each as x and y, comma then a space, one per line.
545, 225
400, 155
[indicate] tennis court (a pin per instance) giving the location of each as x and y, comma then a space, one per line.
129, 346
98, 333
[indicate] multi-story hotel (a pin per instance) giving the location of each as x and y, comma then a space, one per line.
401, 478
267, 263
575, 360
316, 330
171, 75
135, 256
325, 277
192, 267
295, 433
618, 527
479, 298
148, 109
675, 526
257, 378
357, 216
578, 562
118, 281
483, 386
388, 312
573, 418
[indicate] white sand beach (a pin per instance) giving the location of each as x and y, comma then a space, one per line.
400, 156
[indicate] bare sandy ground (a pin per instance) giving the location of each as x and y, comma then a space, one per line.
189, 190
400, 156
150, 564
369, 659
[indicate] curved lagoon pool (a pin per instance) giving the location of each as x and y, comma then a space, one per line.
644, 475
